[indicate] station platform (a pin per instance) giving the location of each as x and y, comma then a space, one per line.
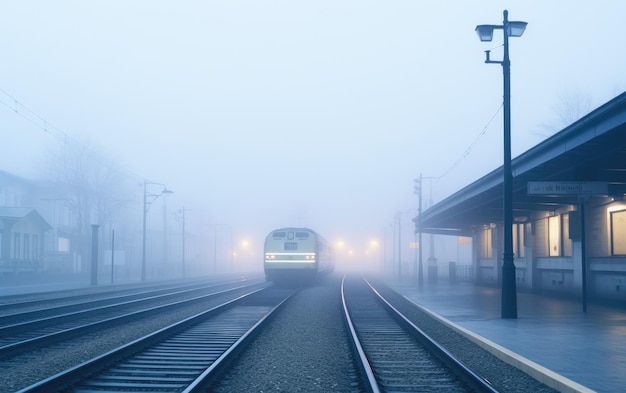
552, 338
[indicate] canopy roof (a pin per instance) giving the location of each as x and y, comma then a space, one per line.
593, 149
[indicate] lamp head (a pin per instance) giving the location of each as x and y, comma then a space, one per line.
516, 29
485, 32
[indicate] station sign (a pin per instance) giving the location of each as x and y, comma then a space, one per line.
567, 188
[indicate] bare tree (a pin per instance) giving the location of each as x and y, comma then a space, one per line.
572, 104
93, 187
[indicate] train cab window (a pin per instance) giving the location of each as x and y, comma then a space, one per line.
290, 235
291, 246
278, 235
302, 235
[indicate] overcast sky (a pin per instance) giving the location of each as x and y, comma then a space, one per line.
262, 114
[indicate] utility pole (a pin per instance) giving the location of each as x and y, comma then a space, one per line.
418, 191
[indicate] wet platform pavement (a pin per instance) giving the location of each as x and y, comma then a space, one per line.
586, 348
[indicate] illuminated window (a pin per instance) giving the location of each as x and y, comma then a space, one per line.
485, 240
618, 232
567, 242
554, 236
518, 240
558, 236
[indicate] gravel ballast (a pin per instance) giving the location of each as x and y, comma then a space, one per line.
304, 348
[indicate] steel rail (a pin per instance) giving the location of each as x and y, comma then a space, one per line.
477, 382
364, 366
75, 375
11, 349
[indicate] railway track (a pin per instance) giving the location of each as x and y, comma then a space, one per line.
34, 332
18, 308
184, 356
306, 348
10, 304
393, 354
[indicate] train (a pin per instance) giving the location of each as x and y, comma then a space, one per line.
293, 254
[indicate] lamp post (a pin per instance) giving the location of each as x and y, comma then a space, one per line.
399, 245
183, 210
485, 33
148, 199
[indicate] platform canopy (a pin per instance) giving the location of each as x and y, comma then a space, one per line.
593, 149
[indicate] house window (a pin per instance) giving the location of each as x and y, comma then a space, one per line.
485, 244
26, 244
618, 232
35, 247
518, 240
16, 245
63, 244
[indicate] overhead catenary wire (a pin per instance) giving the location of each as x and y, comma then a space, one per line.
467, 151
30, 116
42, 124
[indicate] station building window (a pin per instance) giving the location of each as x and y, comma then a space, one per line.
519, 241
485, 244
618, 232
567, 241
559, 243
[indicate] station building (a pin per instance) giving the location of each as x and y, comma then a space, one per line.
569, 212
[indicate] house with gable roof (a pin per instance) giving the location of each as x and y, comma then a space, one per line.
22, 232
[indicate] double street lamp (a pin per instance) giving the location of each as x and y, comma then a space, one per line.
148, 199
485, 33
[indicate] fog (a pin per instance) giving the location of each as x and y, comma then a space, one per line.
265, 114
